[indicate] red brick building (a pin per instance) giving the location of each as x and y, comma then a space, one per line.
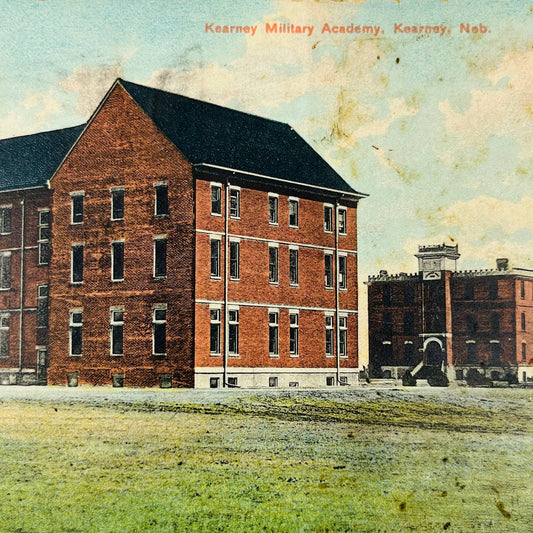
194, 245
457, 320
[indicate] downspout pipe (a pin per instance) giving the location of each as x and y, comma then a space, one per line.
226, 276
21, 296
337, 306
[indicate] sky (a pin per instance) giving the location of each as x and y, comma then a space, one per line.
437, 127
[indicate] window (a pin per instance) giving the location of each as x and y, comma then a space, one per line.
471, 325
75, 332
216, 203
293, 266
76, 275
76, 207
293, 212
160, 257
293, 334
272, 209
234, 253
272, 381
4, 336
232, 382
44, 236
233, 330
329, 335
342, 221
161, 199
386, 324
215, 258
330, 381
471, 352
409, 323
522, 290
235, 203
5, 270
117, 204
342, 271
493, 290
469, 291
117, 331
42, 306
409, 295
495, 353
523, 321
386, 354
117, 261
5, 220
273, 333
214, 332
343, 336
273, 264
328, 270
159, 330
495, 323
214, 383
524, 352
387, 295
328, 218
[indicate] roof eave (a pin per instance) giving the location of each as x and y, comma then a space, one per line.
355, 195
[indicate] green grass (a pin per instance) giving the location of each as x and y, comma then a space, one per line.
264, 464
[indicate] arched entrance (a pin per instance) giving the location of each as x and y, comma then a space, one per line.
434, 354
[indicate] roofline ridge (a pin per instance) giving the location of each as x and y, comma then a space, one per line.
41, 132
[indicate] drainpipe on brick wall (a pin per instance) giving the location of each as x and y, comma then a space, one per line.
226, 276
337, 325
21, 311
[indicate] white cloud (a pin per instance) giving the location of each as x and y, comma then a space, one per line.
91, 84
506, 109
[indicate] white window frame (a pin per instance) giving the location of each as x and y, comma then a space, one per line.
294, 253
3, 210
342, 218
235, 244
275, 198
158, 321
296, 202
294, 325
215, 239
72, 247
215, 313
42, 300
4, 332
331, 271
111, 194
273, 268
343, 336
43, 242
328, 220
233, 324
75, 195
343, 272
73, 325
330, 328
215, 186
234, 190
114, 323
159, 238
5, 259
113, 243
157, 187
273, 329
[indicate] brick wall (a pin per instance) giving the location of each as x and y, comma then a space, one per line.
122, 148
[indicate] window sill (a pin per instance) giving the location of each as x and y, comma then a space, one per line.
116, 355
76, 355
276, 224
235, 279
5, 289
294, 355
159, 355
76, 223
330, 356
163, 215
234, 355
294, 285
330, 231
157, 278
342, 234
117, 280
2, 234
234, 218
76, 283
214, 355
274, 283
215, 278
293, 227
273, 356
117, 220
216, 214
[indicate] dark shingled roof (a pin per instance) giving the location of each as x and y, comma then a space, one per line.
31, 160
210, 134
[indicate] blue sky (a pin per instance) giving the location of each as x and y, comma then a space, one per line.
437, 129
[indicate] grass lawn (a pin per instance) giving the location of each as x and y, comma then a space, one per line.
256, 463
